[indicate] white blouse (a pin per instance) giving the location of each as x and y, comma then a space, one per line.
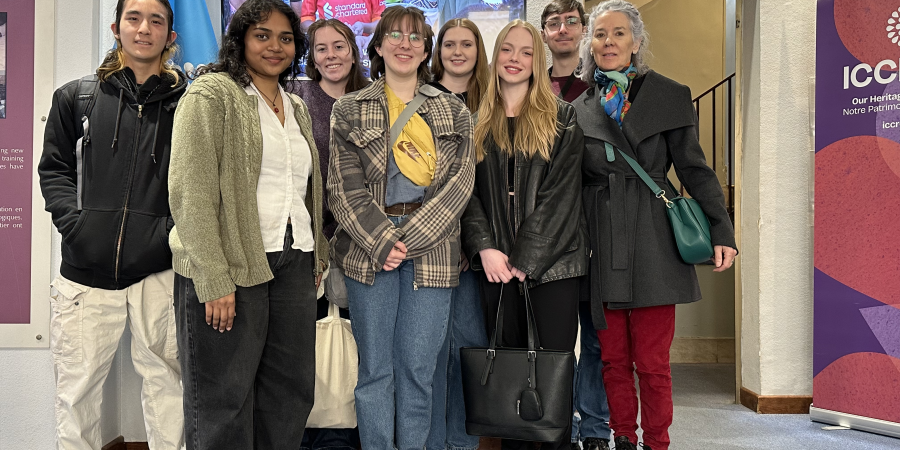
285, 172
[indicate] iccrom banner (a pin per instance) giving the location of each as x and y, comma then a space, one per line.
490, 15
856, 344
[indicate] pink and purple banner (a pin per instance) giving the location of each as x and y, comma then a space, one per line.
856, 342
16, 147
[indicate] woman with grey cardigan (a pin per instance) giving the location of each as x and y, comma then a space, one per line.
636, 274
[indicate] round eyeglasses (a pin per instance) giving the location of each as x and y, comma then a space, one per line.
396, 38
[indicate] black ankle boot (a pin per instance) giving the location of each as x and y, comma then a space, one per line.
623, 443
595, 444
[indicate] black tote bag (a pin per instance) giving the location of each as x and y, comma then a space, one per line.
517, 393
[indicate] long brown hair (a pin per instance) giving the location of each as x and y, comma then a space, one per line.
536, 120
390, 18
479, 80
357, 80
115, 58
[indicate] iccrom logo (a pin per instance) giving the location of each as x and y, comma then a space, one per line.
852, 76
893, 27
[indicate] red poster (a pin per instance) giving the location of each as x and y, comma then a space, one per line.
16, 146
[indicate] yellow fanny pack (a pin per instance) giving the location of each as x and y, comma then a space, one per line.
413, 146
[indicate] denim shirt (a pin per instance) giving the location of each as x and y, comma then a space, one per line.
400, 189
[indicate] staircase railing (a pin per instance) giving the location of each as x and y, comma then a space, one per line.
726, 88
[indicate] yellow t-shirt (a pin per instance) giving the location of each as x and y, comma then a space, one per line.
414, 150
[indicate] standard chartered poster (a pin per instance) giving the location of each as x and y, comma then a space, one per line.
16, 115
490, 15
856, 341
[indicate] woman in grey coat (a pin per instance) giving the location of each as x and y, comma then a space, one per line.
636, 274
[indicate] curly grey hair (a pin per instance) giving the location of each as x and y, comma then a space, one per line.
588, 65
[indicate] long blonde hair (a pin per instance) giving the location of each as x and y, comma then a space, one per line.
536, 126
478, 81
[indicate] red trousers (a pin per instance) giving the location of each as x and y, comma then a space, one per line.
638, 340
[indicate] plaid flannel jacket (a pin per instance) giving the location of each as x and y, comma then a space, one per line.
357, 178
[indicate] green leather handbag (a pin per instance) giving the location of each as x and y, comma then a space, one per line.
689, 223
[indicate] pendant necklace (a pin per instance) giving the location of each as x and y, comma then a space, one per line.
277, 93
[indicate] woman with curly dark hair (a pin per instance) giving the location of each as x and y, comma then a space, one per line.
245, 191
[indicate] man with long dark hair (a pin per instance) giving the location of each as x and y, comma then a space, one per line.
104, 176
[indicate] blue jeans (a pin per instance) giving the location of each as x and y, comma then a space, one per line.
590, 395
399, 332
448, 412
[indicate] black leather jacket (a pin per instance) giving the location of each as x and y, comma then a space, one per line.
551, 239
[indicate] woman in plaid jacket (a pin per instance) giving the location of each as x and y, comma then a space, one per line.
398, 208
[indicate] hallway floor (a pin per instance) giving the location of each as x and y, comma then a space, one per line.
706, 417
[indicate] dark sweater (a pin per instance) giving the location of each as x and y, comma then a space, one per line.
319, 104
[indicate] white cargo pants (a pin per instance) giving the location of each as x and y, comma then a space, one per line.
85, 327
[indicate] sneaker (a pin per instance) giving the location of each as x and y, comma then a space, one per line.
645, 447
623, 443
595, 444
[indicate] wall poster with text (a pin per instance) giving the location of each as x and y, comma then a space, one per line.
16, 140
490, 15
24, 226
856, 342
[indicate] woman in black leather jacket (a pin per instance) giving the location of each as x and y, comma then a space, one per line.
524, 223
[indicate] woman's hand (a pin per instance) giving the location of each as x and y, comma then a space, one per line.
220, 313
723, 256
495, 265
395, 257
517, 273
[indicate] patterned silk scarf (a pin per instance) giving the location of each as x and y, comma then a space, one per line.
614, 85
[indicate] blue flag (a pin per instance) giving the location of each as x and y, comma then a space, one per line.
196, 38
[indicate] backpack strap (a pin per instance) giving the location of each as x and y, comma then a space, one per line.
85, 97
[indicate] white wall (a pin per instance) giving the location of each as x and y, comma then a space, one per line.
779, 59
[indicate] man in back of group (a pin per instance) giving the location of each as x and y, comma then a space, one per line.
104, 177
562, 27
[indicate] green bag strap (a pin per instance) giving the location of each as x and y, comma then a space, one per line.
659, 192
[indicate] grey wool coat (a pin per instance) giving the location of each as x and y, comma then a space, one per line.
634, 259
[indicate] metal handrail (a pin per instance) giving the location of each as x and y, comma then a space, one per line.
729, 129
724, 80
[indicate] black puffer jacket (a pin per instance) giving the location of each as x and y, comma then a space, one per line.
120, 235
551, 239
